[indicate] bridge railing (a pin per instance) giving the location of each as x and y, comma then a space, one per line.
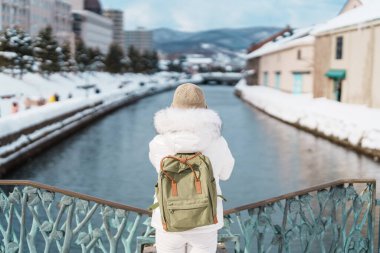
333, 217
39, 218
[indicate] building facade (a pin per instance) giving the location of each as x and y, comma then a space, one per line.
95, 30
34, 15
347, 57
56, 13
15, 13
140, 39
90, 25
253, 63
285, 63
90, 5
117, 26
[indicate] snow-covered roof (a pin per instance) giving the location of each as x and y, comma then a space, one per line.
299, 37
369, 11
367, 1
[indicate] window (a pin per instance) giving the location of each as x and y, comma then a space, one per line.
278, 80
339, 48
299, 54
266, 78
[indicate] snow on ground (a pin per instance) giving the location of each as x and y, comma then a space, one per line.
356, 124
112, 89
36, 86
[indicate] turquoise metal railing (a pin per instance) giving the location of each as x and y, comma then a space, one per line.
334, 217
40, 218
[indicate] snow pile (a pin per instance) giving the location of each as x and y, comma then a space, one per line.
355, 124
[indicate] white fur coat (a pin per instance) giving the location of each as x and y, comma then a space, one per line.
187, 131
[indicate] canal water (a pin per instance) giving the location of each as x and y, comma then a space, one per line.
110, 158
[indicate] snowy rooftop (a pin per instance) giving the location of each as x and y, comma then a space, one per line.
369, 11
299, 37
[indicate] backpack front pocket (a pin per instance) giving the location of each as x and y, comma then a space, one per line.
186, 214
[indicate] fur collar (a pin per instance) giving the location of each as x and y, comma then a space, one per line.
197, 121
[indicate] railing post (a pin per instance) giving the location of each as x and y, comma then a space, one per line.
378, 235
371, 217
283, 227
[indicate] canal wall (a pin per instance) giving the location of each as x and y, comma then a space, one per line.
31, 132
351, 126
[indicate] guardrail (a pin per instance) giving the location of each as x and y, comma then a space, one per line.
39, 218
334, 217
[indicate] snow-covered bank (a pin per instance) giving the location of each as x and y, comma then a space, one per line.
28, 131
354, 125
35, 86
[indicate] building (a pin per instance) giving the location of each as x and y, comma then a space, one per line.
90, 5
286, 62
140, 39
34, 15
351, 4
347, 56
90, 25
95, 30
253, 63
117, 26
14, 14
192, 63
261, 43
56, 13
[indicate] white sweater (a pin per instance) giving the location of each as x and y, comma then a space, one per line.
188, 131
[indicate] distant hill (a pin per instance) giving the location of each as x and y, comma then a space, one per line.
174, 42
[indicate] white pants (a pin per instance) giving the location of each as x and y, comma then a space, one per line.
167, 242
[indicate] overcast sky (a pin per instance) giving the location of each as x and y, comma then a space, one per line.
195, 15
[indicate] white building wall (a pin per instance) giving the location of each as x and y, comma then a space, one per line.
118, 26
62, 21
41, 15
14, 13
96, 30
76, 4
34, 15
56, 13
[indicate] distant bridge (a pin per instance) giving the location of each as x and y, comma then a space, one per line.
228, 78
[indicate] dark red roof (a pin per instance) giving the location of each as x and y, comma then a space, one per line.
261, 43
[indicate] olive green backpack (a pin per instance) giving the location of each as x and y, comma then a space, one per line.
186, 192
